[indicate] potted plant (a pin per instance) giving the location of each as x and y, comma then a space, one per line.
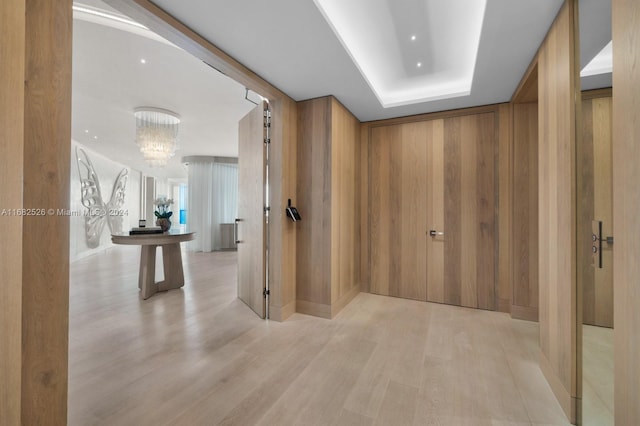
162, 213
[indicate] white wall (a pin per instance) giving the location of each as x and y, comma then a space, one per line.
107, 171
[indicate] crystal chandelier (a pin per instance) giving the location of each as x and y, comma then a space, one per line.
156, 134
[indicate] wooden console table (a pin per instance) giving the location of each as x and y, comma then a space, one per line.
171, 259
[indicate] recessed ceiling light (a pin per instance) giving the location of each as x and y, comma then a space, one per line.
95, 137
86, 131
369, 36
143, 61
413, 38
419, 64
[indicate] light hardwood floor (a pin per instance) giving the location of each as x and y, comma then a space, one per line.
597, 376
199, 356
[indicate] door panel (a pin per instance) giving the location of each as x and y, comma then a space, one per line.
250, 222
398, 203
434, 175
595, 185
435, 211
469, 211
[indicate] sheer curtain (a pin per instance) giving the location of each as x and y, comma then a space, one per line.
212, 200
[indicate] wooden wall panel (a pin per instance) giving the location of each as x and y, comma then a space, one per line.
365, 217
440, 175
525, 212
595, 203
12, 45
251, 201
381, 212
434, 138
35, 105
283, 183
470, 210
505, 202
603, 207
328, 142
626, 209
452, 211
313, 239
558, 90
345, 140
483, 127
435, 212
409, 213
398, 216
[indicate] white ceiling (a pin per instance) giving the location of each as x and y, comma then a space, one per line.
109, 81
411, 51
290, 44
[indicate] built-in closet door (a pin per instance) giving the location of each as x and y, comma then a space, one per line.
398, 205
433, 207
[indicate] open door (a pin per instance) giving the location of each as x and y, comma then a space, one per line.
250, 224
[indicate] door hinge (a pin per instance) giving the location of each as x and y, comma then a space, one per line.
265, 292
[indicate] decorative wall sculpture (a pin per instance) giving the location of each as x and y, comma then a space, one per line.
98, 212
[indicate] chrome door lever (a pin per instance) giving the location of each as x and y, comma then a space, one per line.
434, 233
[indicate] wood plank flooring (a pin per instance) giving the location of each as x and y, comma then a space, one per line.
199, 356
597, 376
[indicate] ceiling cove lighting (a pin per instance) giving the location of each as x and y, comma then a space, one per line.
156, 134
602, 63
370, 31
110, 19
99, 13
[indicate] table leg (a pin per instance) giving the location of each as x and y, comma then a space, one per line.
146, 281
173, 272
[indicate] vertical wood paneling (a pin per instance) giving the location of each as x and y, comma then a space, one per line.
381, 210
345, 138
440, 175
468, 196
525, 212
398, 194
395, 216
505, 200
557, 74
251, 229
435, 210
327, 244
595, 203
452, 211
470, 209
486, 207
412, 219
313, 239
282, 186
626, 208
12, 45
365, 217
586, 271
603, 207
434, 138
45, 239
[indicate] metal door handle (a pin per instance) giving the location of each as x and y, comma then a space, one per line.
434, 233
235, 230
